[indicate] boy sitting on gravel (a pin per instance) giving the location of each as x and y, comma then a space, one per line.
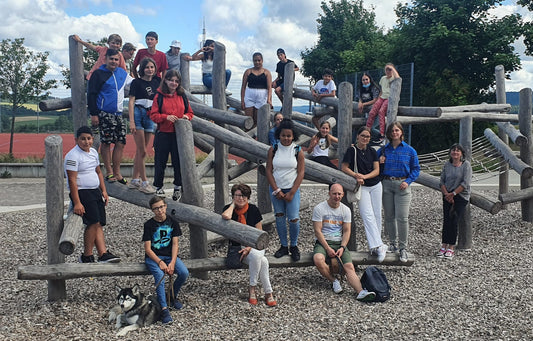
332, 222
88, 194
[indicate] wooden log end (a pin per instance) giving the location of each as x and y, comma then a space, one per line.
262, 241
66, 247
527, 173
496, 207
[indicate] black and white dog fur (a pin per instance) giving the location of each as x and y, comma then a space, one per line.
134, 310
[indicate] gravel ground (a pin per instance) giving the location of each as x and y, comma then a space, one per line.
482, 294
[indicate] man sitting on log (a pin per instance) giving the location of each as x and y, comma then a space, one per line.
332, 224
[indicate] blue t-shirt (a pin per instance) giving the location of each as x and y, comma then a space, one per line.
160, 235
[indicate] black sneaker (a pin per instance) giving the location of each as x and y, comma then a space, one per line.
108, 257
283, 251
295, 253
176, 196
86, 259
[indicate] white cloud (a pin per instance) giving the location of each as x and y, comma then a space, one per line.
232, 16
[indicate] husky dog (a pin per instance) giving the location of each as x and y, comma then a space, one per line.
134, 310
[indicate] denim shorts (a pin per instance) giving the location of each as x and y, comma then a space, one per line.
142, 120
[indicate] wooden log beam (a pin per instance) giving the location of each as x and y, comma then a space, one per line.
198, 216
77, 270
288, 85
205, 166
518, 165
244, 167
298, 116
514, 134
72, 231
221, 116
510, 197
55, 104
77, 85
476, 199
483, 107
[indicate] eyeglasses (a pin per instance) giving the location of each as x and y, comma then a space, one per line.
239, 196
365, 136
162, 207
172, 80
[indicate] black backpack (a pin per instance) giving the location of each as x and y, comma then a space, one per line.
375, 280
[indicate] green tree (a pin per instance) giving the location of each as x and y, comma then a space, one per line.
89, 59
455, 46
22, 76
349, 40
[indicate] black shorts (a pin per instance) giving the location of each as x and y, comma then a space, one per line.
94, 205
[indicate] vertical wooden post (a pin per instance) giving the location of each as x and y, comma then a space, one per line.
192, 192
501, 98
524, 120
54, 210
185, 73
344, 130
263, 126
464, 240
288, 84
221, 150
77, 84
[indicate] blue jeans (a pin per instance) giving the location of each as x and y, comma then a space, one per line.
284, 211
207, 79
396, 204
179, 270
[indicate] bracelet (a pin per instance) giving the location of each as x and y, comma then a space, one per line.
454, 194
344, 247
276, 191
159, 261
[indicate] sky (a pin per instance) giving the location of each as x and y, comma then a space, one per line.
243, 26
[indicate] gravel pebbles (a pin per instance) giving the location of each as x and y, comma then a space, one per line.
482, 294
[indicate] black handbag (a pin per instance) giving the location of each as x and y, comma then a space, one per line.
233, 259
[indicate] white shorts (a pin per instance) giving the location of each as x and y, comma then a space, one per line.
255, 97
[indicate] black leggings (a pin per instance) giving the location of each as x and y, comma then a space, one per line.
324, 160
452, 213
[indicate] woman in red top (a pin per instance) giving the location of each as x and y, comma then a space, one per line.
172, 108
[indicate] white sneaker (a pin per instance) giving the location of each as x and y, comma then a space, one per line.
366, 296
382, 252
147, 188
337, 286
134, 184
404, 257
160, 192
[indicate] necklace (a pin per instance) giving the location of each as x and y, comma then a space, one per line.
361, 150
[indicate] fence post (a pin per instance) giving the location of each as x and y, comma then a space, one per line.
263, 126
288, 84
193, 193
221, 149
54, 210
500, 99
464, 240
524, 120
344, 130
185, 73
77, 84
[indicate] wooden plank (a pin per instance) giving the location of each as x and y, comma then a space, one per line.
78, 270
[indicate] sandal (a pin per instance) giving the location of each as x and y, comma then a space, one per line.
270, 301
110, 178
122, 181
252, 298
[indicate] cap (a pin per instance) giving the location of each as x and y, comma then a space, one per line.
175, 43
280, 50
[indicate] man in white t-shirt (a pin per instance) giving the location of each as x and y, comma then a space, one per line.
332, 224
88, 194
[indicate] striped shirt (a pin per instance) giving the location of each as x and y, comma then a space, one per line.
400, 162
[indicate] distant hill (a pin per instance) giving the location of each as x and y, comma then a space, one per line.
513, 97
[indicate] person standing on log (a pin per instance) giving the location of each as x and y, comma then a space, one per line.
323, 88
246, 213
455, 187
171, 106
278, 83
142, 92
400, 170
319, 145
206, 54
88, 195
174, 56
105, 97
332, 224
160, 58
380, 106
367, 175
285, 172
367, 94
114, 41
256, 88
161, 248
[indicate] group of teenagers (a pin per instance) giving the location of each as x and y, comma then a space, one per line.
384, 176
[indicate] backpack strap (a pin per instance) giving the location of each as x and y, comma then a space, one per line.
159, 101
296, 150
